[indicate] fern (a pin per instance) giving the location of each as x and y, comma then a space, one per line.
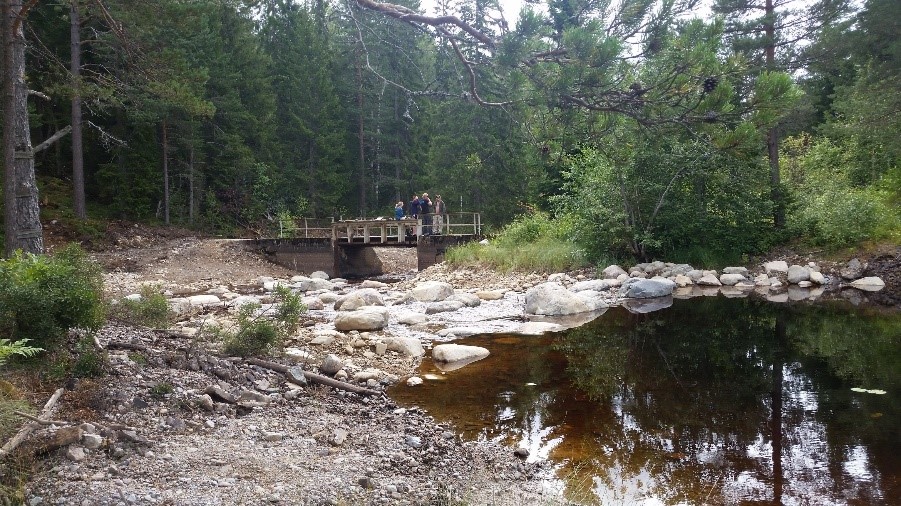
9, 348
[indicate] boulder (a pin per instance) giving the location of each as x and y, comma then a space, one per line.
444, 306
731, 279
331, 364
409, 346
359, 298
319, 275
457, 352
411, 318
313, 303
432, 291
597, 285
853, 270
798, 273
468, 299
205, 300
708, 280
310, 284
637, 288
613, 272
364, 318
694, 275
775, 268
682, 281
371, 283
490, 294
680, 269
817, 277
553, 299
736, 270
869, 284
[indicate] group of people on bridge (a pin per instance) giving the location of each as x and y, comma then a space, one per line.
431, 212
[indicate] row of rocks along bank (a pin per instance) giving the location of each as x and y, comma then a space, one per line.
179, 423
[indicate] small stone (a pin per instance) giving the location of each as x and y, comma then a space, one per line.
414, 381
75, 453
91, 441
521, 452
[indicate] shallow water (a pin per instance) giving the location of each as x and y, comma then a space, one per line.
711, 401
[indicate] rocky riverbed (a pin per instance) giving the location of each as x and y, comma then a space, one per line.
177, 422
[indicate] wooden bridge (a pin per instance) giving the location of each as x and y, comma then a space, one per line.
344, 247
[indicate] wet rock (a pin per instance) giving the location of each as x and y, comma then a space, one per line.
597, 285
708, 280
775, 268
458, 352
553, 299
537, 328
869, 284
637, 288
817, 277
853, 270
731, 279
648, 305
797, 273
405, 345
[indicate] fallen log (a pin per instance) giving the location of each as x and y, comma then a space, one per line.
23, 433
121, 345
315, 378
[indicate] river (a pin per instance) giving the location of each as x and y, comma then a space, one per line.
710, 401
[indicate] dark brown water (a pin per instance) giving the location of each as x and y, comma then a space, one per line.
711, 401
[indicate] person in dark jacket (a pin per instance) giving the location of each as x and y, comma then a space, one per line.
414, 207
425, 209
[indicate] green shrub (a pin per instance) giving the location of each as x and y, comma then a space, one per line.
43, 296
532, 242
151, 310
259, 334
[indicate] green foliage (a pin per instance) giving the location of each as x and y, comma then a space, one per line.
161, 389
151, 310
43, 296
533, 242
258, 333
20, 348
830, 209
89, 362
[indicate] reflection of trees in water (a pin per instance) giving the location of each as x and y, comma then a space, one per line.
708, 401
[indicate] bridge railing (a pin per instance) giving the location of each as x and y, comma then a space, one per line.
407, 230
305, 227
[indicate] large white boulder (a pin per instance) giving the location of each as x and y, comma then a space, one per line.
456, 352
468, 299
597, 285
869, 284
364, 318
613, 272
553, 299
798, 273
359, 298
775, 268
409, 346
637, 288
432, 291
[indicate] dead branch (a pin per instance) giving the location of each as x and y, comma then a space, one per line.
315, 378
53, 138
412, 17
23, 433
35, 93
120, 345
41, 421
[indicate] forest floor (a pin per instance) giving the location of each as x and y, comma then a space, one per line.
322, 447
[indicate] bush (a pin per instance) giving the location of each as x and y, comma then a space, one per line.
42, 296
151, 310
9, 348
260, 333
532, 242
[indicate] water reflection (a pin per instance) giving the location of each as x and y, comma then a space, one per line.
711, 401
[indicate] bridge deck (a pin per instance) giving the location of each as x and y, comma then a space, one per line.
406, 232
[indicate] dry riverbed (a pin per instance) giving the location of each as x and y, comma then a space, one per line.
160, 435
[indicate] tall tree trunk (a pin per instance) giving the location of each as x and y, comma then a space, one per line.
22, 219
362, 137
772, 135
191, 185
77, 151
165, 174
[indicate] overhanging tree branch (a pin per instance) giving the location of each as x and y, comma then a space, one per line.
53, 138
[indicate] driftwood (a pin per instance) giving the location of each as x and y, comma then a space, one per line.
30, 427
41, 421
315, 378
